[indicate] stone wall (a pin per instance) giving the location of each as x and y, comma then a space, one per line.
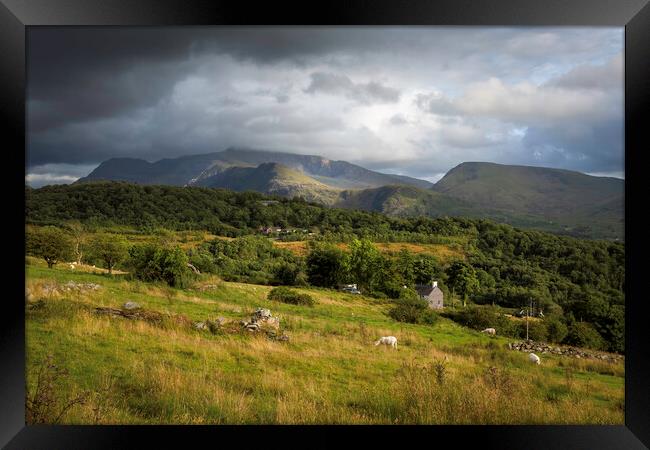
542, 348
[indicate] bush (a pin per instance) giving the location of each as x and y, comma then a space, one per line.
285, 295
152, 262
203, 260
476, 317
583, 334
557, 330
481, 317
412, 309
290, 274
537, 330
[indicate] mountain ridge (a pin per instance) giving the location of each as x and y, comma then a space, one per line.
556, 200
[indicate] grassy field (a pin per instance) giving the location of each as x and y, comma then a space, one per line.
131, 371
444, 252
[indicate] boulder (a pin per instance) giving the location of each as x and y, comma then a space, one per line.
262, 314
131, 305
200, 326
252, 326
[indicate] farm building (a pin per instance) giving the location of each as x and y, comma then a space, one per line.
431, 293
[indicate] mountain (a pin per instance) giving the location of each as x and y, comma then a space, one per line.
191, 170
564, 199
555, 200
271, 178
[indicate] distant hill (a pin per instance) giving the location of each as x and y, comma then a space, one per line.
191, 170
564, 199
555, 200
405, 201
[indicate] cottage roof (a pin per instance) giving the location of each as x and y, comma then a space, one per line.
425, 289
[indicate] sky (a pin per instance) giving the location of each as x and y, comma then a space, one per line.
414, 101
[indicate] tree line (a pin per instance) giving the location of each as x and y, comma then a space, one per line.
577, 281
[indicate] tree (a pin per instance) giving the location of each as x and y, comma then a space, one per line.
76, 230
111, 249
327, 265
557, 330
365, 262
152, 262
425, 267
50, 243
583, 334
463, 279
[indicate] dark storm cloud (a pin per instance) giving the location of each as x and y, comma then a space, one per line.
412, 99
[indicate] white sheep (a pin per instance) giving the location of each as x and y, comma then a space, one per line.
71, 267
491, 331
534, 358
387, 340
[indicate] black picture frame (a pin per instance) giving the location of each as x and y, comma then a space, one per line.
634, 15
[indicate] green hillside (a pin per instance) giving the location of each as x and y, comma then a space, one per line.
156, 368
405, 201
272, 178
565, 200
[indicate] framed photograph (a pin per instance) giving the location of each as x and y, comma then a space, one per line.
411, 216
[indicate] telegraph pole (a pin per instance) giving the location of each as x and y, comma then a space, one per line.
528, 314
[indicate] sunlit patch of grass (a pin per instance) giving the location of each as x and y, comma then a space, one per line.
328, 372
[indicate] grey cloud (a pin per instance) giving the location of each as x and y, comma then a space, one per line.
597, 147
398, 119
436, 104
599, 77
96, 93
365, 93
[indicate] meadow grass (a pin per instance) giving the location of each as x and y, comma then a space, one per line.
329, 372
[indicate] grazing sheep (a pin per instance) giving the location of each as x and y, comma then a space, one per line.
491, 331
71, 267
387, 340
534, 358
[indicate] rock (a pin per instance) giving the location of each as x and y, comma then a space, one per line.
194, 269
252, 327
131, 305
262, 313
199, 326
273, 322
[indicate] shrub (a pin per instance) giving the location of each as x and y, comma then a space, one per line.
45, 402
287, 273
481, 317
203, 260
476, 317
411, 309
152, 262
327, 265
557, 330
583, 334
285, 295
537, 330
